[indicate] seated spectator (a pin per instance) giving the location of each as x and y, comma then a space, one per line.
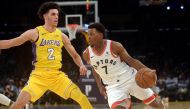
171, 87
183, 83
9, 93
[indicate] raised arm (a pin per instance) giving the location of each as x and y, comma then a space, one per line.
119, 50
29, 35
71, 50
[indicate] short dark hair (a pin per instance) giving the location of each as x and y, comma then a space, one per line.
99, 27
45, 7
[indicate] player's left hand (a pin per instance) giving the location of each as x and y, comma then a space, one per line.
83, 70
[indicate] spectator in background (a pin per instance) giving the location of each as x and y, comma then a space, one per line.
171, 87
183, 87
9, 93
161, 83
13, 88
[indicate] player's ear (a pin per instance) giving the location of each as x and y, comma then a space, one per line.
102, 35
44, 16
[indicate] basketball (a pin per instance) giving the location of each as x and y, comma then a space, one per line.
146, 78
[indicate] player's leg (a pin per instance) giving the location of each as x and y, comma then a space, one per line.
80, 98
31, 92
146, 95
157, 104
149, 98
73, 92
23, 98
65, 88
118, 98
124, 104
120, 107
5, 100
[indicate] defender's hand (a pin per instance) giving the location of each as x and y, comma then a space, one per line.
83, 70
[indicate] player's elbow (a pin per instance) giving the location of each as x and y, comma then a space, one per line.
131, 60
75, 56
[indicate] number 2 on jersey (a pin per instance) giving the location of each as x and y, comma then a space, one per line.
51, 56
106, 69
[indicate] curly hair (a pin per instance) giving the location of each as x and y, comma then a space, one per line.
45, 7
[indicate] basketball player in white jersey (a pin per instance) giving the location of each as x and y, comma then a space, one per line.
114, 71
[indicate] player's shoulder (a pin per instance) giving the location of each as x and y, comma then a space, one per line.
31, 31
64, 36
86, 51
115, 44
32, 34
86, 54
59, 31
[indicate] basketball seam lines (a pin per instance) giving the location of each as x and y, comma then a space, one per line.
146, 84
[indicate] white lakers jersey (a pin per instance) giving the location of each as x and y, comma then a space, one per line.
109, 66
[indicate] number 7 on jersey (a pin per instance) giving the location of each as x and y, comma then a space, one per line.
106, 69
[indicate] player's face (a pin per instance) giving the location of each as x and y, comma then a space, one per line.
52, 17
94, 36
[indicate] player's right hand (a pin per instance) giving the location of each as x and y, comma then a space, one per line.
103, 91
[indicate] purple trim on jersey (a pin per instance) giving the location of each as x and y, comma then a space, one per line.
26, 83
34, 54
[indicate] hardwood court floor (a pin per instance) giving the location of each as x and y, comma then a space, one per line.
172, 105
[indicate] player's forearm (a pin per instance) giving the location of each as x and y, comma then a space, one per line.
97, 79
4, 44
136, 64
99, 84
77, 59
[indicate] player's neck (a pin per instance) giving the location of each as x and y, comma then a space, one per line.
49, 28
100, 46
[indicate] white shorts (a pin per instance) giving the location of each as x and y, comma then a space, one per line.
123, 91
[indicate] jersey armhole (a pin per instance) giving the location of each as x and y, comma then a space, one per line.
111, 43
37, 36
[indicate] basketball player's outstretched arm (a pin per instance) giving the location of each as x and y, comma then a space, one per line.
119, 50
30, 35
76, 57
96, 75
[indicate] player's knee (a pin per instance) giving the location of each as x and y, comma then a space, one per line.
83, 98
17, 105
157, 105
120, 107
77, 95
125, 104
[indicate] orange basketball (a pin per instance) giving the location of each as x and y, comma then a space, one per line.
146, 78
